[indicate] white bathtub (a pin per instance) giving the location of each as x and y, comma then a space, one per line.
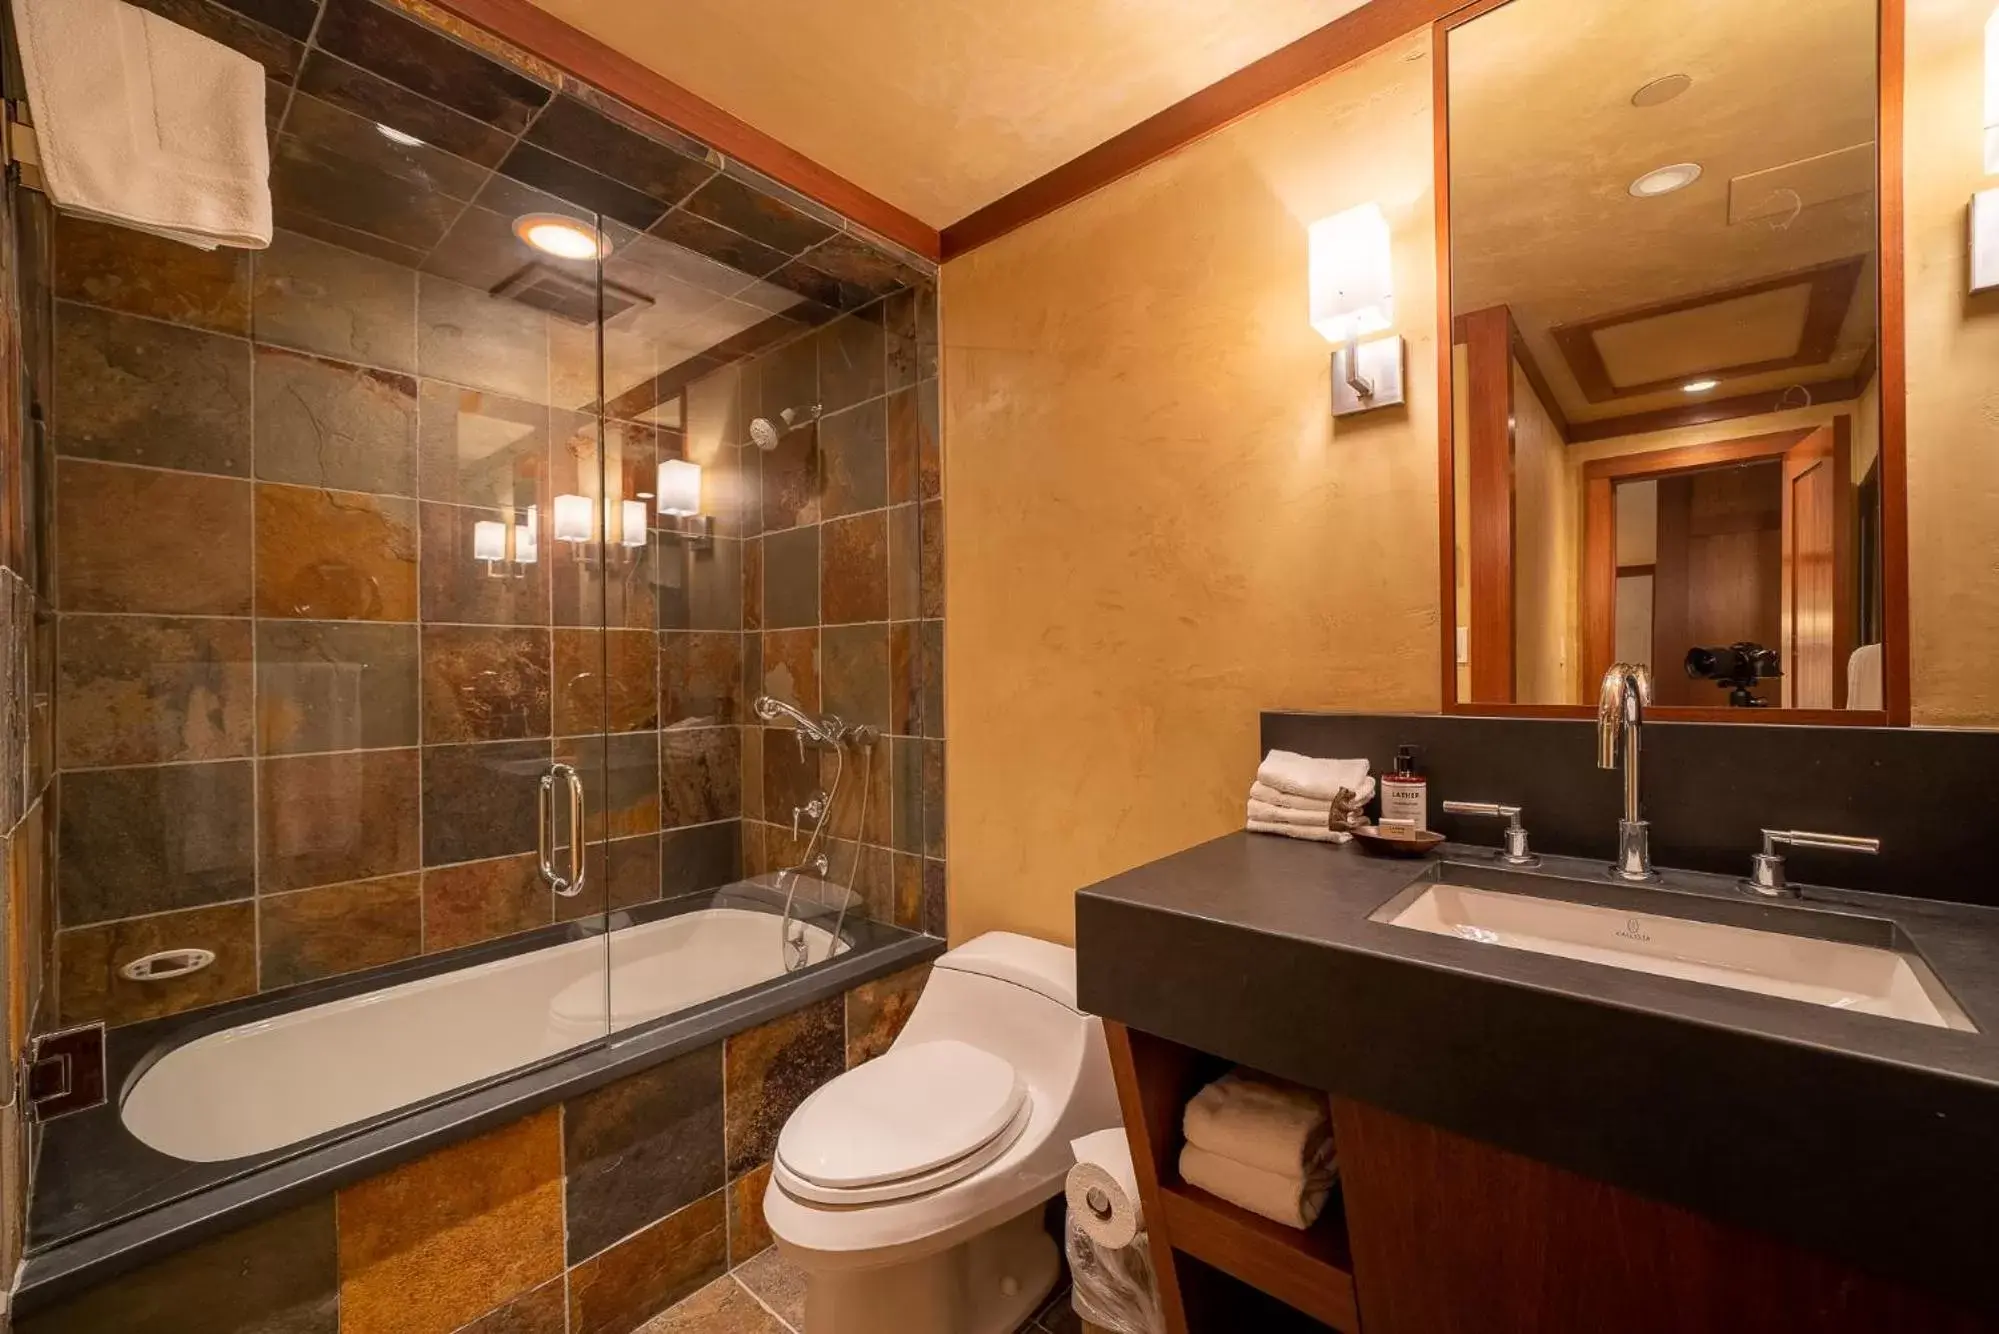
264, 1085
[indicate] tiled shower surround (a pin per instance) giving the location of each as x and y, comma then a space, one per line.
299, 724
293, 717
587, 1218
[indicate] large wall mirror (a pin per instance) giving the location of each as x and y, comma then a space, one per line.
1673, 427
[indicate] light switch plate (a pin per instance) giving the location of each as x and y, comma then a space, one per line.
1985, 241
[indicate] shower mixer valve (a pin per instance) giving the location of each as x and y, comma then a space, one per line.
811, 810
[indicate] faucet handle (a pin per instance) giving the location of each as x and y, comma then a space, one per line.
1766, 868
1516, 853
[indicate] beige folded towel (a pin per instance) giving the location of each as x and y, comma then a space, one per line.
1261, 1122
1264, 792
1311, 833
1304, 776
147, 124
1266, 813
1295, 1201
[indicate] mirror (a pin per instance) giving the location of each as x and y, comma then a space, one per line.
1666, 430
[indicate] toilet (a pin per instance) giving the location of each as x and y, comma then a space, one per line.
910, 1190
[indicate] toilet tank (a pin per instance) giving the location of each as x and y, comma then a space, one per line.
1015, 996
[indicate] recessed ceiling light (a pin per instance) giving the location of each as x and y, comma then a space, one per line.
1665, 180
1661, 90
1699, 386
396, 136
565, 238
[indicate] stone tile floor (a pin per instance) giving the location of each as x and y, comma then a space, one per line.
766, 1295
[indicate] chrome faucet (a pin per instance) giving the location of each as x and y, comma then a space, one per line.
1620, 712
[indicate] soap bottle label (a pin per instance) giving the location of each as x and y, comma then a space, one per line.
1406, 799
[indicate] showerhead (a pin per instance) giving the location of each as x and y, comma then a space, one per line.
765, 432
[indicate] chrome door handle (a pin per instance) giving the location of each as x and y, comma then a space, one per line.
571, 886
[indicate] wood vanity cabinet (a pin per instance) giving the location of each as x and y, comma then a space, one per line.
1434, 1233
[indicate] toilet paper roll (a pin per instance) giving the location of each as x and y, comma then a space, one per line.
1103, 1189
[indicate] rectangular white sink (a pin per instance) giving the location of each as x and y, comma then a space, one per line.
1834, 973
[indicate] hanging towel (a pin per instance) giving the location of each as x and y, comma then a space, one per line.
1295, 1201
1863, 678
146, 124
1263, 1122
1303, 776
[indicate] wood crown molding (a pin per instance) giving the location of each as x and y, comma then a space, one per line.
1282, 72
575, 52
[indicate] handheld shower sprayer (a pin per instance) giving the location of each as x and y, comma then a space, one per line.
765, 432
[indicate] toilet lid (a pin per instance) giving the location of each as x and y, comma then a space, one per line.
903, 1114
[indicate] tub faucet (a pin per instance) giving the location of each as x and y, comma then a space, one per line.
1620, 712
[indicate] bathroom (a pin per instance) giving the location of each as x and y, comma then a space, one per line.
689, 565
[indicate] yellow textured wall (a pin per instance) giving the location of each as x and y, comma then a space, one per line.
1548, 554
1953, 344
1153, 526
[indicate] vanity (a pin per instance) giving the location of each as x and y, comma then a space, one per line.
1566, 1102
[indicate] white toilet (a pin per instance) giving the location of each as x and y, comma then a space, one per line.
910, 1189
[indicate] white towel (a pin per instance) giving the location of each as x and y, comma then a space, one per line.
1270, 796
1295, 1201
1303, 776
147, 124
1262, 812
1863, 678
1262, 1122
1313, 833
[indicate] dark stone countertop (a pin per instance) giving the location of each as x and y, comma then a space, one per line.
1871, 1139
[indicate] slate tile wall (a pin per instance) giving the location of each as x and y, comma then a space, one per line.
594, 1215
269, 468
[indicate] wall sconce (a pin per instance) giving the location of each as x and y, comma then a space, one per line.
1983, 217
572, 519
489, 545
680, 500
1352, 297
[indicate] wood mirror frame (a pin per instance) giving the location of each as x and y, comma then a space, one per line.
1893, 465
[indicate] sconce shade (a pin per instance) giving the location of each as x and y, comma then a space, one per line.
525, 550
1992, 94
1352, 284
489, 540
632, 532
679, 488
572, 518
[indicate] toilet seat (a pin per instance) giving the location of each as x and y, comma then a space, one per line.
912, 1120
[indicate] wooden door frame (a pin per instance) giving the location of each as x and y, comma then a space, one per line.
1894, 416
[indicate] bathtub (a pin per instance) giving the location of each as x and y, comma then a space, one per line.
275, 1082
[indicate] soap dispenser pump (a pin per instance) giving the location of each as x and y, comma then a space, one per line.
1405, 793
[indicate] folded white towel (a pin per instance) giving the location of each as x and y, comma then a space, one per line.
1262, 812
1260, 1121
147, 124
1295, 1201
1315, 833
1270, 796
1303, 776
1863, 678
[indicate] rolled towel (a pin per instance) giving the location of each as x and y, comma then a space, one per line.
1313, 833
1295, 1201
1304, 776
1262, 812
1261, 1122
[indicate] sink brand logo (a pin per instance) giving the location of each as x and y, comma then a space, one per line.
1634, 929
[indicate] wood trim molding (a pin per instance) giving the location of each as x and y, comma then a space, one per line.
1489, 470
1282, 72
576, 52
1695, 458
1894, 371
1831, 287
1702, 413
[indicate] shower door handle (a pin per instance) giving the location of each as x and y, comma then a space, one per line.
572, 885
